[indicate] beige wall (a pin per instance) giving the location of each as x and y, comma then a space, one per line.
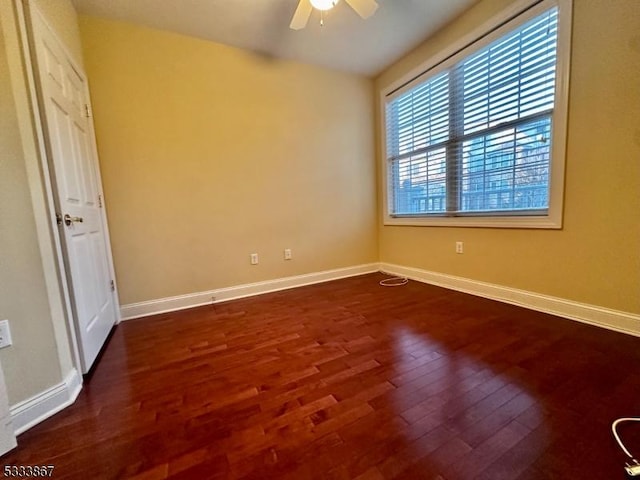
209, 153
32, 364
595, 258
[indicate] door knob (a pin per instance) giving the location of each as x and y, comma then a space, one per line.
68, 220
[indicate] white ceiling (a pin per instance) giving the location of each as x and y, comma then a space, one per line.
346, 42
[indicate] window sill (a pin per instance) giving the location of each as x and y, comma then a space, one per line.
537, 222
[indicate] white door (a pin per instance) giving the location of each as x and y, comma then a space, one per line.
71, 147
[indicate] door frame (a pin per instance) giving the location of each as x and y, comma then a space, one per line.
26, 10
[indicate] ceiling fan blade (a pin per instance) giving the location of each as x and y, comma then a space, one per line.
364, 8
301, 17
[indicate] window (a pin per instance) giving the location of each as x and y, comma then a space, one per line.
479, 138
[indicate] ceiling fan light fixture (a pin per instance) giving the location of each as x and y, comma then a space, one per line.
323, 4
364, 8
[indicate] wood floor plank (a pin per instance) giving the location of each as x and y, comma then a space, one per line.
344, 380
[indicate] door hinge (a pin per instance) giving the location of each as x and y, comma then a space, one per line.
86, 110
113, 286
100, 201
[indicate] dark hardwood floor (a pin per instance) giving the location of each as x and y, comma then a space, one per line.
349, 379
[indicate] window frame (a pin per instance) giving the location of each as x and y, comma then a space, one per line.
498, 26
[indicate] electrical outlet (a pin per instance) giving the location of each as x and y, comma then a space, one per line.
5, 334
254, 258
459, 247
287, 254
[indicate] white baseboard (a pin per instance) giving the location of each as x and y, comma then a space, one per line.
616, 320
181, 302
34, 410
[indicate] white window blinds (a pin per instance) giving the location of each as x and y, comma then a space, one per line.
476, 138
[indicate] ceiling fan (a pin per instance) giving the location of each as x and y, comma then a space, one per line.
364, 8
